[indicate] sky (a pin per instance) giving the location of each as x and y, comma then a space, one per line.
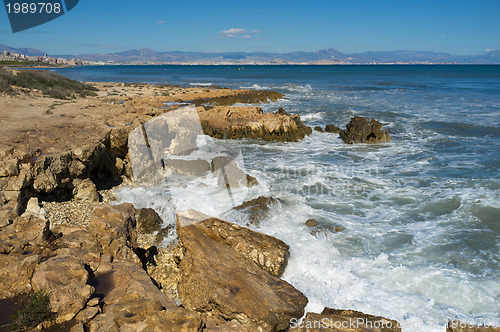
350, 26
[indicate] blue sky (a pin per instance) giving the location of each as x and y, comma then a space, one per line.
457, 27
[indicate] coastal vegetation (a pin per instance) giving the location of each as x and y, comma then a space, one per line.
50, 84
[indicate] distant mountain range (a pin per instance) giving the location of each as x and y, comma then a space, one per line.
149, 56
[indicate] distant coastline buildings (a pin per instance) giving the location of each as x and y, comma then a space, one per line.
45, 59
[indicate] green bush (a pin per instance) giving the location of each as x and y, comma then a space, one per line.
35, 311
51, 84
5, 81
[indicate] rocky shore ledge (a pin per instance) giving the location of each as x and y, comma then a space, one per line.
71, 262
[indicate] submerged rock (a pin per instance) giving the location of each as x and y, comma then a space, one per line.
332, 129
257, 208
319, 129
360, 130
311, 222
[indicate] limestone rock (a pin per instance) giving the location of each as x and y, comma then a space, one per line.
345, 321
268, 252
251, 122
81, 244
257, 208
360, 130
148, 221
218, 280
114, 228
15, 274
87, 191
332, 129
134, 303
65, 278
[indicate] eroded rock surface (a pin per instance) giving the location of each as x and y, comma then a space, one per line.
360, 130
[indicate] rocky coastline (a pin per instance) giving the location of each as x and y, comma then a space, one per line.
101, 264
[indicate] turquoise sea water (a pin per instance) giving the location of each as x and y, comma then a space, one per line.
421, 214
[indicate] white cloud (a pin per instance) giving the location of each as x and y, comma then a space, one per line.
490, 50
236, 33
160, 22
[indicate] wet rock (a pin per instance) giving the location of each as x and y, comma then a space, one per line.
332, 129
326, 229
134, 303
86, 191
251, 181
344, 321
251, 122
188, 167
319, 129
163, 233
258, 208
148, 221
218, 280
311, 222
458, 326
65, 278
360, 130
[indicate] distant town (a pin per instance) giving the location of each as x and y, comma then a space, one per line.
8, 56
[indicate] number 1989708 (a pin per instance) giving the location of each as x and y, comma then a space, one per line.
33, 8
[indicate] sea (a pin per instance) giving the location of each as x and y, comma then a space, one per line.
421, 214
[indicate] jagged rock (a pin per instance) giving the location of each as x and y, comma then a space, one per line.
15, 274
458, 326
251, 122
86, 191
25, 232
33, 208
360, 130
148, 221
219, 325
65, 278
114, 228
9, 167
251, 181
281, 111
344, 321
257, 208
134, 303
332, 129
218, 280
270, 253
311, 222
319, 129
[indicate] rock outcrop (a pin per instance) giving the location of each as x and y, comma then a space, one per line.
217, 280
360, 130
257, 208
251, 122
332, 129
344, 321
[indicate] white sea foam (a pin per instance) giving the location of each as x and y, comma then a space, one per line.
201, 84
255, 87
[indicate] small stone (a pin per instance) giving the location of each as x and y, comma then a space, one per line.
93, 302
311, 222
87, 314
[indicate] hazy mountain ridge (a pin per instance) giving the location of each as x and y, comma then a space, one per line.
147, 55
